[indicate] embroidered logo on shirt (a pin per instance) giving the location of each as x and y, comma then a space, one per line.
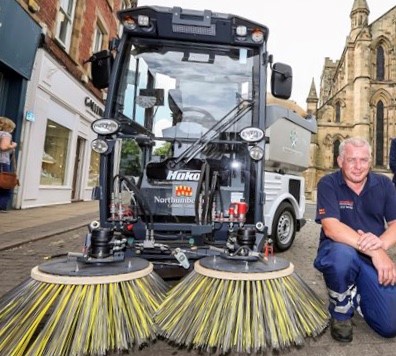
322, 211
346, 204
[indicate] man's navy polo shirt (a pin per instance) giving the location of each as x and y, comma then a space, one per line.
366, 211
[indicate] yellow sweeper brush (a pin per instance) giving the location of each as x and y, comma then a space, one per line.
69, 308
241, 306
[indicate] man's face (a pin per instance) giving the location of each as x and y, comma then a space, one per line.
355, 163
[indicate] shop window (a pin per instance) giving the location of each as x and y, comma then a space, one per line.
93, 177
53, 168
65, 19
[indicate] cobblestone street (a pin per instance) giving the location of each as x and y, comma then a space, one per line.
16, 263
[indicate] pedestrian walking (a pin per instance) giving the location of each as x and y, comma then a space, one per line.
7, 148
357, 212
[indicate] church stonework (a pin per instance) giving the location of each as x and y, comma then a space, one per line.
357, 95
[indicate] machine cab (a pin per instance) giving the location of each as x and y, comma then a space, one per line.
189, 88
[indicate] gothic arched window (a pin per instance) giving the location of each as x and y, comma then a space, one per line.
336, 150
338, 112
379, 135
380, 63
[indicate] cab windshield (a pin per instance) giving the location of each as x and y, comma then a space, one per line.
192, 88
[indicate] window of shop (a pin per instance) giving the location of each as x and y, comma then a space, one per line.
53, 168
93, 177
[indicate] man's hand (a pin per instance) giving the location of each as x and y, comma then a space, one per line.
368, 241
385, 267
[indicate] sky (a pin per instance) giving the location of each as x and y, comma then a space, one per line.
302, 33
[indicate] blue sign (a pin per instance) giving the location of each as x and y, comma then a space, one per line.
30, 116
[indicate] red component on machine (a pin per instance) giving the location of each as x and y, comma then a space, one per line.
242, 208
231, 212
237, 211
268, 249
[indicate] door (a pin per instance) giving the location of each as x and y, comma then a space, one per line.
3, 94
77, 173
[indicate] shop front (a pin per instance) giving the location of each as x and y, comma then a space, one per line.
19, 39
57, 165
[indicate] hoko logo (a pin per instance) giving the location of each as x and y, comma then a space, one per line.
183, 175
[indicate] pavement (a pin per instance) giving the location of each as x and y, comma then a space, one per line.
18, 227
26, 225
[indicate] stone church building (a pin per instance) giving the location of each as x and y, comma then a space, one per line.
357, 95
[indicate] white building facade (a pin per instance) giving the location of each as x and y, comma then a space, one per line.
56, 164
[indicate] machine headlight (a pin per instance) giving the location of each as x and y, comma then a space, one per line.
143, 20
99, 145
256, 153
241, 31
251, 134
105, 126
129, 23
258, 36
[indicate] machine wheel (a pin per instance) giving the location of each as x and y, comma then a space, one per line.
284, 227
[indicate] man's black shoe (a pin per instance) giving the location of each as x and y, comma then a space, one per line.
341, 330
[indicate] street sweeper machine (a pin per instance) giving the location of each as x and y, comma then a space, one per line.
195, 165
193, 160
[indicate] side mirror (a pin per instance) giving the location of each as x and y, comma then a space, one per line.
281, 80
101, 63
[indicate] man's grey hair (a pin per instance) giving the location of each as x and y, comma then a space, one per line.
354, 141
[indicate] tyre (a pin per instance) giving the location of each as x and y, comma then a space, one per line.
284, 227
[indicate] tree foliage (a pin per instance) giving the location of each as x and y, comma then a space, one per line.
163, 150
130, 164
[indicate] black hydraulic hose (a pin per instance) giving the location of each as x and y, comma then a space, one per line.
140, 199
211, 194
221, 202
199, 188
129, 183
205, 204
